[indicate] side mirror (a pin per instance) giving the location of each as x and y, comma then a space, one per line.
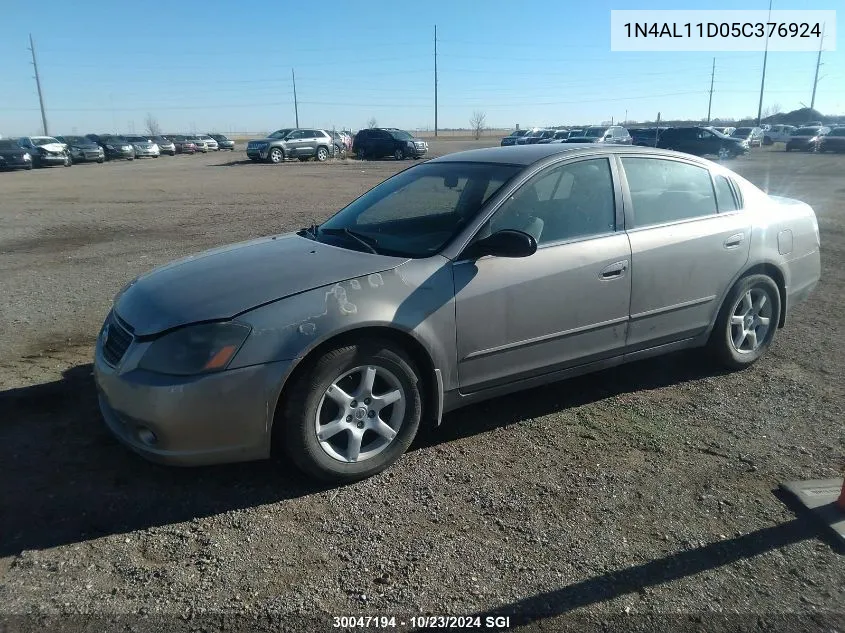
504, 243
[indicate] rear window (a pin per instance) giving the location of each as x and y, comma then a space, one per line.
725, 198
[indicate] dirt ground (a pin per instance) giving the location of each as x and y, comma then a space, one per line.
639, 497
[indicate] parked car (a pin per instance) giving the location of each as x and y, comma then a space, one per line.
753, 135
388, 141
165, 145
511, 138
644, 136
535, 136
210, 142
13, 156
613, 134
182, 144
144, 146
702, 141
777, 133
301, 143
115, 147
223, 141
833, 141
335, 344
200, 144
559, 135
46, 151
82, 149
805, 139
339, 148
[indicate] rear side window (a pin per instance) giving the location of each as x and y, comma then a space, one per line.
725, 197
668, 191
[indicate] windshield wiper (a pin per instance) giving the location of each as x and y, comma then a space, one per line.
312, 230
365, 240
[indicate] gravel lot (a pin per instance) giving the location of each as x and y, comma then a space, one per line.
639, 497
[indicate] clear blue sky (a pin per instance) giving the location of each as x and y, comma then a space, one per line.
209, 65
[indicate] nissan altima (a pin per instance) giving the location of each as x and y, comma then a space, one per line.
463, 278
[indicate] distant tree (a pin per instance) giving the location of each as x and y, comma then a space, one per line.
476, 123
153, 128
372, 122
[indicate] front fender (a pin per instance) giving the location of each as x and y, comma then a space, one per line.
416, 298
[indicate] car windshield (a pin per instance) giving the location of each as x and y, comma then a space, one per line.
44, 140
418, 211
280, 133
219, 137
137, 139
519, 132
536, 133
160, 139
806, 131
77, 139
400, 135
594, 132
561, 134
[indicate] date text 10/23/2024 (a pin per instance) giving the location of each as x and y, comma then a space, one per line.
469, 622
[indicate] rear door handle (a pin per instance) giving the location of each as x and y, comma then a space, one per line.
614, 271
734, 240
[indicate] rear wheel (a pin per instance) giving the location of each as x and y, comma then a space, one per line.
747, 322
361, 153
353, 413
322, 154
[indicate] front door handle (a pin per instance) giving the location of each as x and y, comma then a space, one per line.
614, 271
734, 240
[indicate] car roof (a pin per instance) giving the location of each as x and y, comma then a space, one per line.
525, 155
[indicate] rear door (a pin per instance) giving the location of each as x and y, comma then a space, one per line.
688, 239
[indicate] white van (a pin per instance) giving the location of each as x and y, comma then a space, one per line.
778, 134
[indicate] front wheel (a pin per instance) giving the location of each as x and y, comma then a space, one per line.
101, 160
747, 322
353, 413
68, 160
399, 154
276, 156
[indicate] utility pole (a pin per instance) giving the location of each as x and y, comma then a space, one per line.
295, 102
818, 64
710, 103
763, 78
435, 80
38, 84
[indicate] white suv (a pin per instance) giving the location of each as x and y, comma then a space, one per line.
777, 134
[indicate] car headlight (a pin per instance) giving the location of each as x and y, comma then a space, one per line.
27, 156
744, 143
196, 349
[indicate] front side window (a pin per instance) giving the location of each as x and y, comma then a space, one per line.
668, 190
564, 202
418, 211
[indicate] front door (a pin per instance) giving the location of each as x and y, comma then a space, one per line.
688, 242
565, 305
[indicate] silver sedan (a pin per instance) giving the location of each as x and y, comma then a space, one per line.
463, 278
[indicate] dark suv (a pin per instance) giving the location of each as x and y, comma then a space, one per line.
701, 141
378, 142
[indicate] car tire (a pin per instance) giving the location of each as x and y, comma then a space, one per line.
68, 161
740, 337
309, 406
322, 154
399, 153
361, 153
101, 160
276, 155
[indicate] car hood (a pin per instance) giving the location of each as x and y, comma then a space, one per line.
85, 145
53, 147
224, 282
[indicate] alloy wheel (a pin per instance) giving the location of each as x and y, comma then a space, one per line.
360, 414
750, 320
